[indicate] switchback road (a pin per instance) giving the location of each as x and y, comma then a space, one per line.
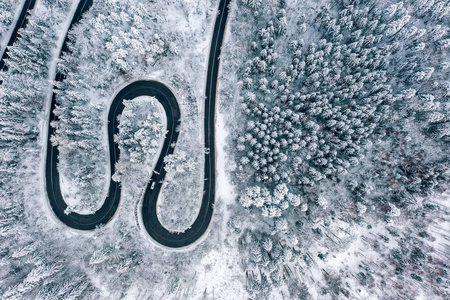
168, 101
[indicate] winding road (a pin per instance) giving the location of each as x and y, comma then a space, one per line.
170, 105
201, 223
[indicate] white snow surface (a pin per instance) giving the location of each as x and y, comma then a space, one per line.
220, 270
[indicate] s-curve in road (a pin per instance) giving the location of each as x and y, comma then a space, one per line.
158, 90
109, 207
200, 225
21, 23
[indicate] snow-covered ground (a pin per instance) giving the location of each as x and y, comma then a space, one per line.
67, 188
331, 248
195, 26
219, 271
184, 31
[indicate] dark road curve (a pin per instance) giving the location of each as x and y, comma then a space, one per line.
163, 94
21, 23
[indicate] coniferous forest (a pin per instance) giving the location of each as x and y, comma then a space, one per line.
332, 149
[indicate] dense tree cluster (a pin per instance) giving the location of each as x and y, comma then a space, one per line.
18, 105
7, 11
361, 109
140, 129
271, 205
312, 119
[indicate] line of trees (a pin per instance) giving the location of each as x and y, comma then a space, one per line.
30, 268
7, 11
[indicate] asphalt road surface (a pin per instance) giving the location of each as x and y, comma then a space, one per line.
168, 101
21, 23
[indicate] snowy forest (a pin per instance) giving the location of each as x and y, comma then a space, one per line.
345, 149
332, 140
8, 10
